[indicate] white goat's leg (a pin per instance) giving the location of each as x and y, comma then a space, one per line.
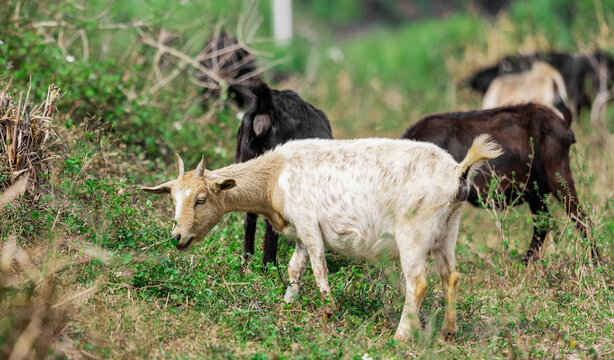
412, 250
318, 265
312, 239
446, 265
296, 269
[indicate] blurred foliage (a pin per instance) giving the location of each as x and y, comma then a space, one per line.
409, 57
109, 96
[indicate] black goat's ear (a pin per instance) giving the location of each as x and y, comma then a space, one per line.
262, 124
264, 97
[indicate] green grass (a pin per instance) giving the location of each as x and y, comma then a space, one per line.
121, 289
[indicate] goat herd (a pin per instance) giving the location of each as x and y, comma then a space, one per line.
374, 199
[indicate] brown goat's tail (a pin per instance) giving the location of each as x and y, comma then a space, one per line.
483, 148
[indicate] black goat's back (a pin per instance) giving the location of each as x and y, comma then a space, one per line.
292, 118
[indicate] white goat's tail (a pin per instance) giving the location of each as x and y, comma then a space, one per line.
483, 148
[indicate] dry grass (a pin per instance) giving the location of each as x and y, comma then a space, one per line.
36, 299
26, 136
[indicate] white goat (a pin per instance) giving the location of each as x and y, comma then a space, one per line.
542, 84
369, 199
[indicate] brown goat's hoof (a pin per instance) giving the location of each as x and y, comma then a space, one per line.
596, 258
448, 335
529, 258
326, 312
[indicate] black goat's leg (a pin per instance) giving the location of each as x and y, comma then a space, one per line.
250, 234
538, 208
270, 245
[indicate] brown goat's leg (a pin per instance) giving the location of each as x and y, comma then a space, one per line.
538, 208
250, 233
580, 219
566, 193
270, 245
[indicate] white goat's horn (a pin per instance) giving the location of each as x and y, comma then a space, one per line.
180, 167
200, 169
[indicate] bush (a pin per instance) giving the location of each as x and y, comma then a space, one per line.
102, 98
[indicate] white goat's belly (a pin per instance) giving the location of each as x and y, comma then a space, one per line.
372, 246
360, 247
352, 197
372, 242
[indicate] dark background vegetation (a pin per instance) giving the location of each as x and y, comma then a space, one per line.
100, 278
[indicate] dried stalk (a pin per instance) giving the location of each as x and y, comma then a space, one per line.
148, 40
25, 136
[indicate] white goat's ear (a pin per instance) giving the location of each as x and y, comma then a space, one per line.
160, 189
220, 185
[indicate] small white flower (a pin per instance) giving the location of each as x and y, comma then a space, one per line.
366, 356
118, 273
178, 125
70, 58
218, 150
1, 42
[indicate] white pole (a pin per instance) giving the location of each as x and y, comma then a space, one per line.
282, 20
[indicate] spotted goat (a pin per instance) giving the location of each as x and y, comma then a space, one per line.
369, 199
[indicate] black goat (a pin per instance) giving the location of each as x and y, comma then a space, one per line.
535, 160
275, 117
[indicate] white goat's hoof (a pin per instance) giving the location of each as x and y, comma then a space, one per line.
289, 297
401, 335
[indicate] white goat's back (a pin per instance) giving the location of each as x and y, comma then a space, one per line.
355, 191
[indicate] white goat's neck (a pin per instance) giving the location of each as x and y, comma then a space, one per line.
256, 190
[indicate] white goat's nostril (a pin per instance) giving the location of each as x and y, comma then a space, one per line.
186, 245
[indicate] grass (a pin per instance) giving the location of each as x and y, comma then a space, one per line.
121, 290
202, 303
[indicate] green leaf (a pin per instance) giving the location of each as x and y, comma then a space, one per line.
125, 258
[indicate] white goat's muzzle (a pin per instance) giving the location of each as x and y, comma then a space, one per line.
184, 241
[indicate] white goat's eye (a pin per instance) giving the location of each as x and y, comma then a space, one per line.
201, 201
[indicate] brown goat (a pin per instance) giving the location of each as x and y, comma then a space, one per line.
535, 160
